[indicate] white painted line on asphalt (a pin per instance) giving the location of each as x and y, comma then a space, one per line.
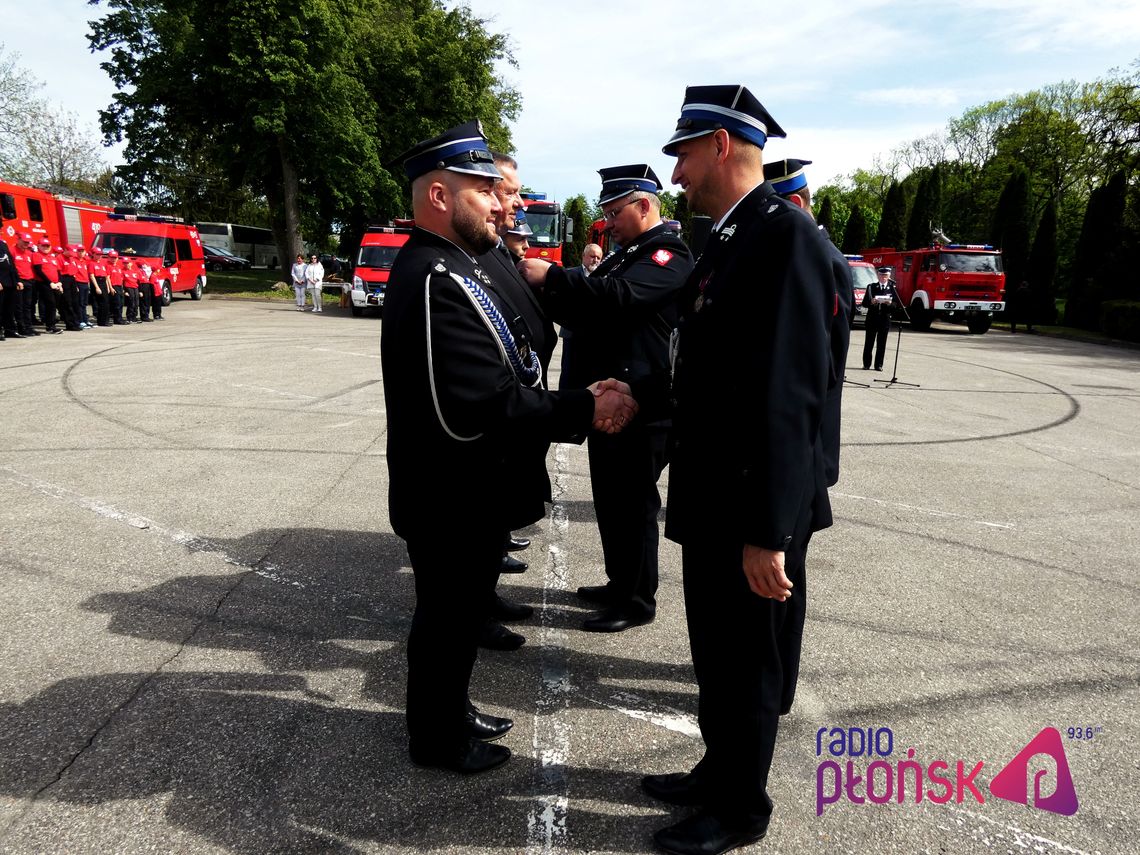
639, 708
1002, 836
280, 392
338, 352
929, 511
546, 824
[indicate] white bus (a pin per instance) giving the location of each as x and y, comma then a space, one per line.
251, 242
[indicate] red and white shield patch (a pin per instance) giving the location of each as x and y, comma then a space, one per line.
663, 257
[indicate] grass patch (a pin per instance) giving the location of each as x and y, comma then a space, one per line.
259, 283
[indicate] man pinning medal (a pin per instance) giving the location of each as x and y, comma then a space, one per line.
462, 387
623, 314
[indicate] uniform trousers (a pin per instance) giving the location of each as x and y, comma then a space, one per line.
624, 468
9, 298
454, 579
84, 300
118, 297
746, 654
145, 290
131, 296
69, 302
156, 305
878, 325
27, 309
102, 303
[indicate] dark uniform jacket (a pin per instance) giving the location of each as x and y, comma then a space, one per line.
750, 380
454, 407
840, 339
880, 311
528, 456
623, 313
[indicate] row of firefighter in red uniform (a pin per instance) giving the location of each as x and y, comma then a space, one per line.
82, 287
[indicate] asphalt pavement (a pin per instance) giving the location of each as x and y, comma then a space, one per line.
205, 610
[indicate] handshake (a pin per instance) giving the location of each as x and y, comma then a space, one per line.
614, 407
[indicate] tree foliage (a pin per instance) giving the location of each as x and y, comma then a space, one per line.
1041, 270
577, 210
40, 143
1010, 232
826, 216
303, 104
855, 233
892, 223
1100, 270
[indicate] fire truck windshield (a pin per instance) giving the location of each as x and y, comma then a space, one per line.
146, 246
970, 262
544, 226
378, 256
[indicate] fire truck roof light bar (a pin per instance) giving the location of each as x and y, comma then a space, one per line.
145, 218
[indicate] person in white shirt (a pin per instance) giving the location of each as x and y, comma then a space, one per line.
299, 283
314, 277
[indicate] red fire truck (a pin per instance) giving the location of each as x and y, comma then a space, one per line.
374, 260
165, 243
952, 281
550, 226
62, 218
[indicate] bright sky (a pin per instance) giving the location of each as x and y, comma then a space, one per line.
602, 82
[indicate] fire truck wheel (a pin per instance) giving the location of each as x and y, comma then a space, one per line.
196, 294
979, 325
920, 319
357, 311
167, 294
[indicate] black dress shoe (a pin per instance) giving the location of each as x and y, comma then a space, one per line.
506, 610
472, 758
512, 565
675, 788
614, 620
704, 834
487, 728
516, 544
602, 594
495, 636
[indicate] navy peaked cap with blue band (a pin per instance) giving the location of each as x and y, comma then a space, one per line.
460, 149
618, 181
786, 176
734, 108
521, 228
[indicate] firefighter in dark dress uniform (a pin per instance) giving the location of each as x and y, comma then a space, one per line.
789, 180
462, 387
747, 485
880, 299
623, 315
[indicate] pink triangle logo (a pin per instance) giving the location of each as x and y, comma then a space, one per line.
1012, 783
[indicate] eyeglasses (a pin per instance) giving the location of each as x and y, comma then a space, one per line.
613, 215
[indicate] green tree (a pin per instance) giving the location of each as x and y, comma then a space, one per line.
855, 233
1097, 254
892, 223
303, 104
683, 214
826, 216
1010, 231
918, 224
1041, 270
577, 210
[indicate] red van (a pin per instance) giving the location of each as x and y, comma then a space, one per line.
374, 261
165, 242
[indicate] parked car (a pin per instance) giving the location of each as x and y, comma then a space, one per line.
218, 258
862, 275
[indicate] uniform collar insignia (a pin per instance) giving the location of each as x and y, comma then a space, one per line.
727, 232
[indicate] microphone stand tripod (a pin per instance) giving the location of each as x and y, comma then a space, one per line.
895, 381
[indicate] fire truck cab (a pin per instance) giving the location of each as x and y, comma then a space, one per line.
378, 249
953, 281
162, 242
550, 227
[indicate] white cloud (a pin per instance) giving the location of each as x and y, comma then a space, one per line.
911, 96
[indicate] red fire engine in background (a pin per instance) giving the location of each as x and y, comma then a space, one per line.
550, 226
950, 281
61, 218
378, 249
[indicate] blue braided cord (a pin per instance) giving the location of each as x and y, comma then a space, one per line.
529, 374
